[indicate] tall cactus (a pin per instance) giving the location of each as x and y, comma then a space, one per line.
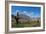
17, 18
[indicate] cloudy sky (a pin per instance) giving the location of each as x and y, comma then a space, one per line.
30, 11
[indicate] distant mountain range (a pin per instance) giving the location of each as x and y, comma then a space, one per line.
25, 17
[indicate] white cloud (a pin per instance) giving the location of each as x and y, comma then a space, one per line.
23, 12
26, 13
30, 14
15, 12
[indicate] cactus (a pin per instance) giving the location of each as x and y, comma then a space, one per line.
17, 18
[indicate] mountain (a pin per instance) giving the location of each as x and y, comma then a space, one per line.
36, 18
23, 16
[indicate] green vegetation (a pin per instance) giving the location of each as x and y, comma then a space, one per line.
26, 24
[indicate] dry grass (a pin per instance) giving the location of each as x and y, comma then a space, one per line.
27, 24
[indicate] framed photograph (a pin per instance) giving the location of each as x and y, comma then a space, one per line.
24, 16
